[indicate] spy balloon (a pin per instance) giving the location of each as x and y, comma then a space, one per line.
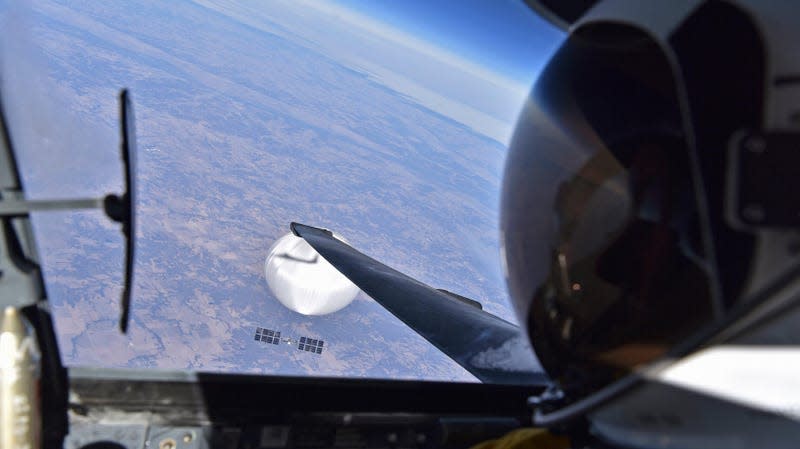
304, 281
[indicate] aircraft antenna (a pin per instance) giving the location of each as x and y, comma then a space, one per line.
122, 208
119, 208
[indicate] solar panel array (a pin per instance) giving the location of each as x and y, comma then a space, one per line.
267, 336
310, 345
272, 337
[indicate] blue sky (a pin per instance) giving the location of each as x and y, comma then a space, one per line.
473, 63
504, 36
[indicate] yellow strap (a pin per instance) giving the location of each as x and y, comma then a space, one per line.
530, 438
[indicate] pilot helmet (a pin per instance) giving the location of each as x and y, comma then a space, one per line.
646, 196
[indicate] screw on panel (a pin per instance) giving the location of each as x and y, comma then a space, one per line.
794, 117
793, 248
754, 213
755, 144
167, 443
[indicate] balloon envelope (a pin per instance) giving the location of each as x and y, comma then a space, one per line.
304, 281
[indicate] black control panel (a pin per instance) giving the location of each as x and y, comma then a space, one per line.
113, 409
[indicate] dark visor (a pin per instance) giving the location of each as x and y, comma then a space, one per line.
600, 222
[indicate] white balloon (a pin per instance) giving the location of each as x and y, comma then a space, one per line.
304, 281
